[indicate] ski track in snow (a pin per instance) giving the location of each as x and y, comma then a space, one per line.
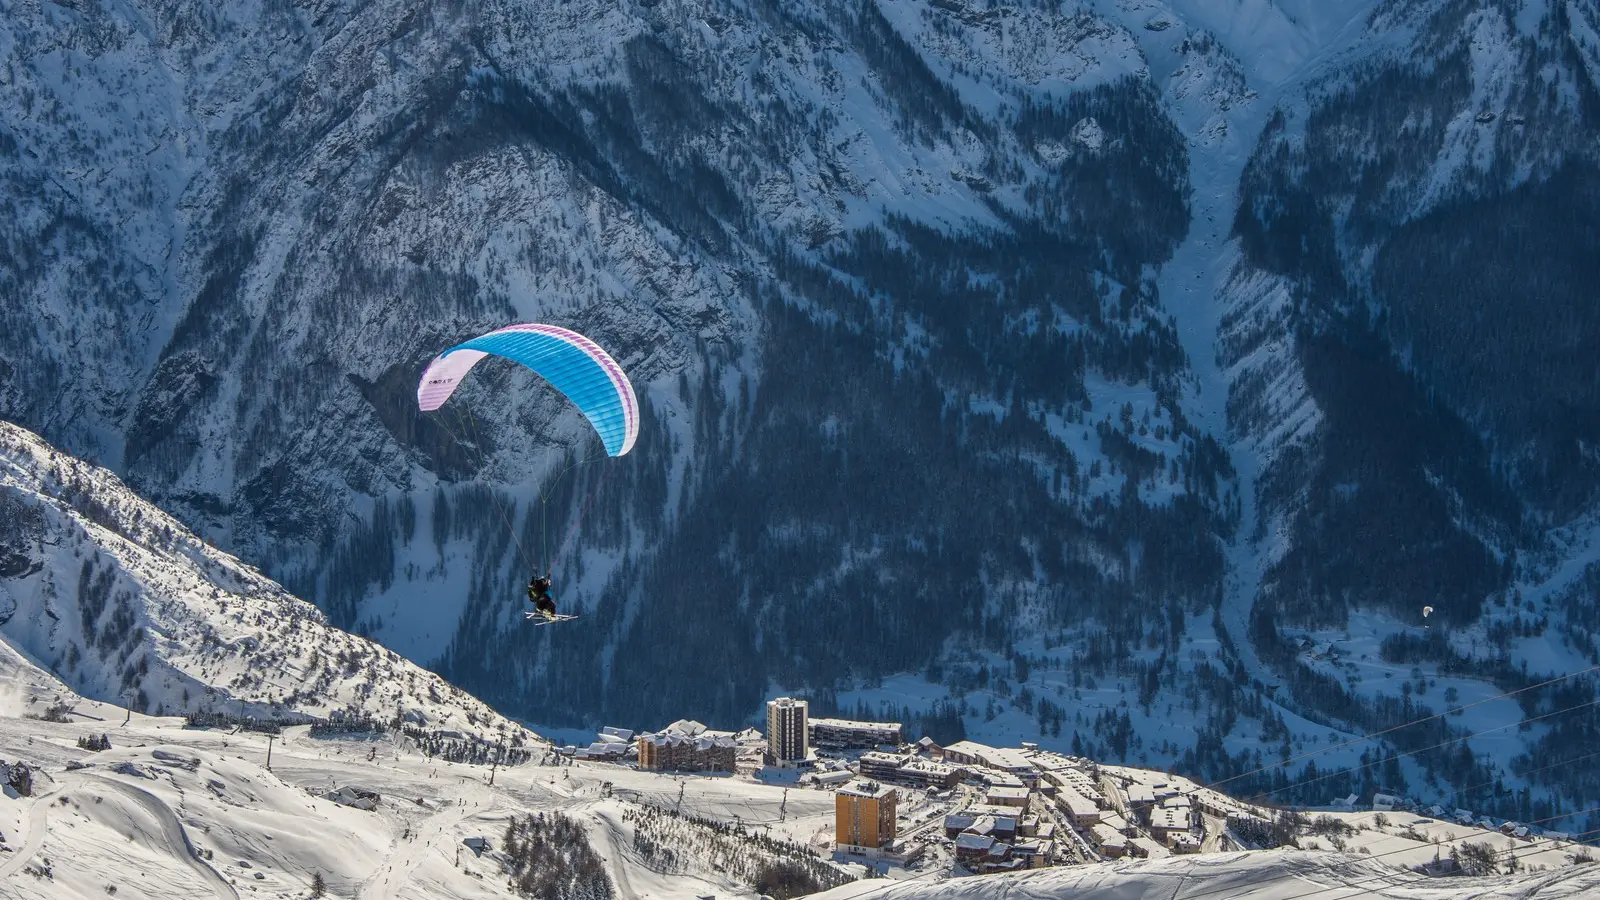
172, 832
404, 858
38, 827
616, 851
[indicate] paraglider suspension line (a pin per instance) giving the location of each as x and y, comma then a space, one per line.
471, 426
573, 528
494, 496
544, 504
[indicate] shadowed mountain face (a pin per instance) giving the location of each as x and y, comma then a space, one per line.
942, 341
1435, 212
1428, 212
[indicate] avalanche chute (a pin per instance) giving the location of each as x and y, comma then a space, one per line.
570, 362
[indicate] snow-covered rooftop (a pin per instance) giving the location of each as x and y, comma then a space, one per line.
885, 728
872, 789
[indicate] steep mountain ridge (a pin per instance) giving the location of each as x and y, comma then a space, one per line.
123, 604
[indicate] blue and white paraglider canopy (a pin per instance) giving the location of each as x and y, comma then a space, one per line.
573, 364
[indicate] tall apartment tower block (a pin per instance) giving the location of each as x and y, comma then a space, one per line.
786, 732
864, 817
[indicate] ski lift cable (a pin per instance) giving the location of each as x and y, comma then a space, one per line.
1444, 743
1392, 729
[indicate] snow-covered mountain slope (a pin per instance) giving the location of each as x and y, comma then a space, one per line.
1412, 416
1440, 389
121, 603
169, 811
27, 689
1233, 74
1276, 876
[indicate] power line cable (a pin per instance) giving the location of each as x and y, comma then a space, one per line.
1445, 743
1390, 730
1304, 756
1566, 762
1573, 840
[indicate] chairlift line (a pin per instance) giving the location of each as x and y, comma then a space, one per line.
1394, 728
1445, 743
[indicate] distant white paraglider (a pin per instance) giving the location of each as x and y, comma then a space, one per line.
1425, 611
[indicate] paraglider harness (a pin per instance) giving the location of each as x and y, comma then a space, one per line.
539, 594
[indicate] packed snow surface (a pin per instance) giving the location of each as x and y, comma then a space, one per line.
170, 811
1259, 876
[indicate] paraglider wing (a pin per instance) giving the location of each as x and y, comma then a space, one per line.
572, 363
1426, 610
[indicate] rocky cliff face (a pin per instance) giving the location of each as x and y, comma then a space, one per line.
956, 324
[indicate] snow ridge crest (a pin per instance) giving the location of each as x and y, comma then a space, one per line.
124, 604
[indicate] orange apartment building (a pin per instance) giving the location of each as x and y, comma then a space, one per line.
865, 813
